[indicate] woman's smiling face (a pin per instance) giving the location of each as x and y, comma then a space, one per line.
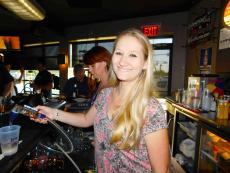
128, 58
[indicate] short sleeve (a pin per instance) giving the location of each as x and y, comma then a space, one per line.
97, 101
101, 98
155, 118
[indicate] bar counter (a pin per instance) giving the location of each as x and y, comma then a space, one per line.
30, 134
207, 119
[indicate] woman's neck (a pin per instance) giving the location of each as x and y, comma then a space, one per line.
123, 88
104, 81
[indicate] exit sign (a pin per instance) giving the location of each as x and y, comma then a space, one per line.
151, 30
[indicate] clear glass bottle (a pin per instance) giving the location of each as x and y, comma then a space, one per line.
206, 100
213, 104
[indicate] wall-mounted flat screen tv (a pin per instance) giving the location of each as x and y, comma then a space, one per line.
9, 43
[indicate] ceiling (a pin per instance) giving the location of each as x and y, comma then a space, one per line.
61, 14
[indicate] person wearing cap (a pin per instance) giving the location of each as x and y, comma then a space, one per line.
77, 86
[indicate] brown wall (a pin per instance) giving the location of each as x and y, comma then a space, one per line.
193, 50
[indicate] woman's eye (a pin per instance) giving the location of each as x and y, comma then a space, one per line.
133, 55
118, 53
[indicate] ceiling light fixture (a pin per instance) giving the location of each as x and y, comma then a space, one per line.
25, 9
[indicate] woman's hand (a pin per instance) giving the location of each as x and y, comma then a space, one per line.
47, 111
39, 120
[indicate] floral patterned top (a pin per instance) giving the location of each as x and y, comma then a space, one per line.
110, 159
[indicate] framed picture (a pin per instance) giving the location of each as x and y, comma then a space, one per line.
205, 60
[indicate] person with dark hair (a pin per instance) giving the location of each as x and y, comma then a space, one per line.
77, 86
56, 81
16, 80
44, 80
98, 60
6, 81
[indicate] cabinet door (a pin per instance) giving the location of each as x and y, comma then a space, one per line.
186, 142
214, 153
170, 119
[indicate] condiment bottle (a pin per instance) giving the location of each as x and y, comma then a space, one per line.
222, 109
225, 109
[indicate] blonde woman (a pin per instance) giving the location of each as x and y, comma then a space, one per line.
129, 124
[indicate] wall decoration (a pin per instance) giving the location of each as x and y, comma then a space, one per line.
202, 27
224, 41
205, 60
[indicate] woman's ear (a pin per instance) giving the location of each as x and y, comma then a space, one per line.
104, 64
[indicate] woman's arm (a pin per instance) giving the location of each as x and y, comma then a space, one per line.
75, 119
158, 150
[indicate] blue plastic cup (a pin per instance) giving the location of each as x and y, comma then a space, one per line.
13, 116
9, 136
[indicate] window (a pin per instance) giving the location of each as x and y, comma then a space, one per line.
162, 59
33, 51
108, 45
162, 56
49, 53
79, 48
51, 50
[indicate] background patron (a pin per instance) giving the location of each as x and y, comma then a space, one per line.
77, 86
44, 80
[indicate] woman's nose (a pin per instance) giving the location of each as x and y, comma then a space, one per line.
123, 60
90, 69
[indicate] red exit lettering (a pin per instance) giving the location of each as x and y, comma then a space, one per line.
151, 30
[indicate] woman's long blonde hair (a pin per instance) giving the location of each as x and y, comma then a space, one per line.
132, 112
